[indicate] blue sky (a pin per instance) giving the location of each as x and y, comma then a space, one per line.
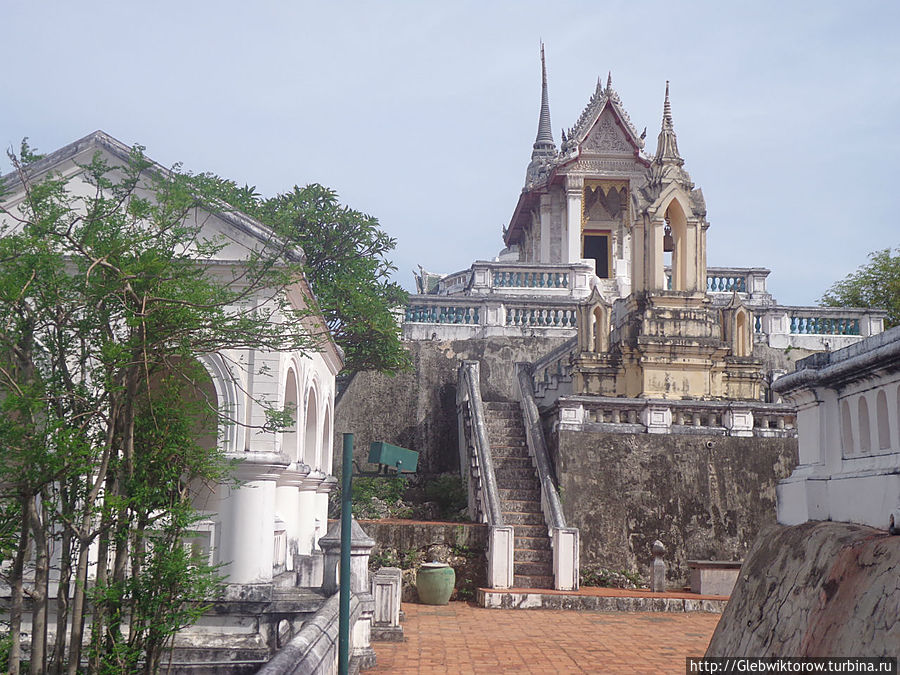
423, 114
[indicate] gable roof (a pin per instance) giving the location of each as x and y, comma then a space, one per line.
100, 140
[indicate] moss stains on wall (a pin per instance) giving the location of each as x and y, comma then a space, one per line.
704, 497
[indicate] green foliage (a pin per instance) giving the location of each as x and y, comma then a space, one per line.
875, 285
386, 488
450, 494
392, 557
5, 644
346, 263
379, 497
595, 575
106, 303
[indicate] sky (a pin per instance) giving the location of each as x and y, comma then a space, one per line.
423, 114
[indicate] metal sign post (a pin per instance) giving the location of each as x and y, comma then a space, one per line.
344, 622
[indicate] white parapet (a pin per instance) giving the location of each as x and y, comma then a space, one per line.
848, 416
500, 556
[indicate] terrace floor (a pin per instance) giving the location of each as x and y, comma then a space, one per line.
462, 638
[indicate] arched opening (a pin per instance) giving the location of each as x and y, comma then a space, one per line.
326, 444
676, 221
865, 433
310, 437
741, 336
290, 439
884, 424
846, 429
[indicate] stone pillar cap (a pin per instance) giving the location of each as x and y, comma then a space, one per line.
358, 537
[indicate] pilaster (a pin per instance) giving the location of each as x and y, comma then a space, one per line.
574, 197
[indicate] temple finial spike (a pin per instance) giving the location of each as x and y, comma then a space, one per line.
609, 81
667, 108
543, 67
667, 144
543, 143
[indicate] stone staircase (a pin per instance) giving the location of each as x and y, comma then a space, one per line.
520, 495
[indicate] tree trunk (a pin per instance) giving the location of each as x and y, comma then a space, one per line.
62, 594
16, 582
38, 519
81, 574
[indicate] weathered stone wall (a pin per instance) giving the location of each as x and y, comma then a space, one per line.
817, 589
463, 546
705, 497
417, 410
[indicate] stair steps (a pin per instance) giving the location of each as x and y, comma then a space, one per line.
520, 495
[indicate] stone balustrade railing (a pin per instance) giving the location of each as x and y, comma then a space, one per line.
477, 468
749, 281
564, 540
552, 374
467, 316
638, 415
816, 328
506, 277
423, 309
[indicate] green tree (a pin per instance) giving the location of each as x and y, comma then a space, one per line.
106, 303
346, 263
875, 285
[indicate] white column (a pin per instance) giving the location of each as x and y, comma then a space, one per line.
248, 516
307, 504
324, 489
572, 246
287, 504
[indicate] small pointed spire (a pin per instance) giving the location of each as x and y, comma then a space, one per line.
543, 143
667, 144
609, 81
667, 108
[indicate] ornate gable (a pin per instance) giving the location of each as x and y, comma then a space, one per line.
607, 138
604, 103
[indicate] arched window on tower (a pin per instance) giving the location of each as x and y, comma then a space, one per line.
677, 224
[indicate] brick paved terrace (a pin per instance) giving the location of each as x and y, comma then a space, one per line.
460, 638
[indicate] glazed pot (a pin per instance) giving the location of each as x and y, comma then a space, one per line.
434, 583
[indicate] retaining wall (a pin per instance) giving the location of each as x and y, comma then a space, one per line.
704, 497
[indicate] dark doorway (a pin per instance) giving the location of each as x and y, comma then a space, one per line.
596, 247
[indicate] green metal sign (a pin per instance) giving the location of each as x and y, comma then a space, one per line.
405, 461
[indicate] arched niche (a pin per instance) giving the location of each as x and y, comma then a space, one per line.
884, 424
865, 431
846, 429
593, 324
